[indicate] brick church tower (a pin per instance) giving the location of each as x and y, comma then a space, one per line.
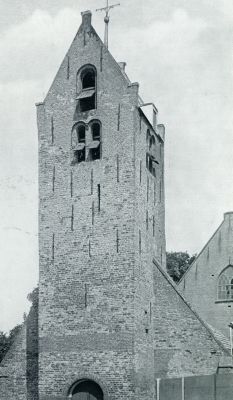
110, 324
101, 226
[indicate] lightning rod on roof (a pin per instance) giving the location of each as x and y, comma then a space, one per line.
106, 19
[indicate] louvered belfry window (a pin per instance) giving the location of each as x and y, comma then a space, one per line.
86, 141
86, 96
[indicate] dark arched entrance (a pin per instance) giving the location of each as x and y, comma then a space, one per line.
86, 390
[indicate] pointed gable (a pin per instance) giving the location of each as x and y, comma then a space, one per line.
86, 48
208, 283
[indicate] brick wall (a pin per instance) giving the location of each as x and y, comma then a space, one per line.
19, 368
199, 284
87, 269
13, 370
183, 345
32, 350
149, 244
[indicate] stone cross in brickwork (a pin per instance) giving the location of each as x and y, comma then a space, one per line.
106, 19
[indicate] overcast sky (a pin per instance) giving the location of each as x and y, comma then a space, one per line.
180, 52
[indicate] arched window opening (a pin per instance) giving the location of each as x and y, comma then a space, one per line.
81, 134
148, 139
86, 82
152, 146
147, 160
80, 148
86, 390
88, 79
225, 284
151, 142
95, 145
86, 142
151, 153
231, 289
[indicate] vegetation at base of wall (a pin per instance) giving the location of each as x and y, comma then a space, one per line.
6, 340
178, 263
33, 297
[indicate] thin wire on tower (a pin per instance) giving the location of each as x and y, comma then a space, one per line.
106, 19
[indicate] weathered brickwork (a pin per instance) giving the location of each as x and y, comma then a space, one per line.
149, 223
88, 250
107, 310
13, 370
32, 351
183, 344
200, 284
96, 289
19, 368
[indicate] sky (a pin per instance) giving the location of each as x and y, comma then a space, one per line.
181, 54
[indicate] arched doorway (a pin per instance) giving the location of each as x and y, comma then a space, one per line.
86, 389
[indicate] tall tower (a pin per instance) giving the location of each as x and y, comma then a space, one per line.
101, 228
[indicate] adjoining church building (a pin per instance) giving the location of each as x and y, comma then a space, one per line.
110, 324
208, 283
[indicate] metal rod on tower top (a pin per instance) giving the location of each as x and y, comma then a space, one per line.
106, 19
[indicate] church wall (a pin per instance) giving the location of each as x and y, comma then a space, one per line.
199, 284
149, 244
13, 370
19, 367
32, 351
86, 277
183, 346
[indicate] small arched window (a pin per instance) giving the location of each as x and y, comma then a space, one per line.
151, 152
86, 141
95, 145
79, 142
86, 88
225, 284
